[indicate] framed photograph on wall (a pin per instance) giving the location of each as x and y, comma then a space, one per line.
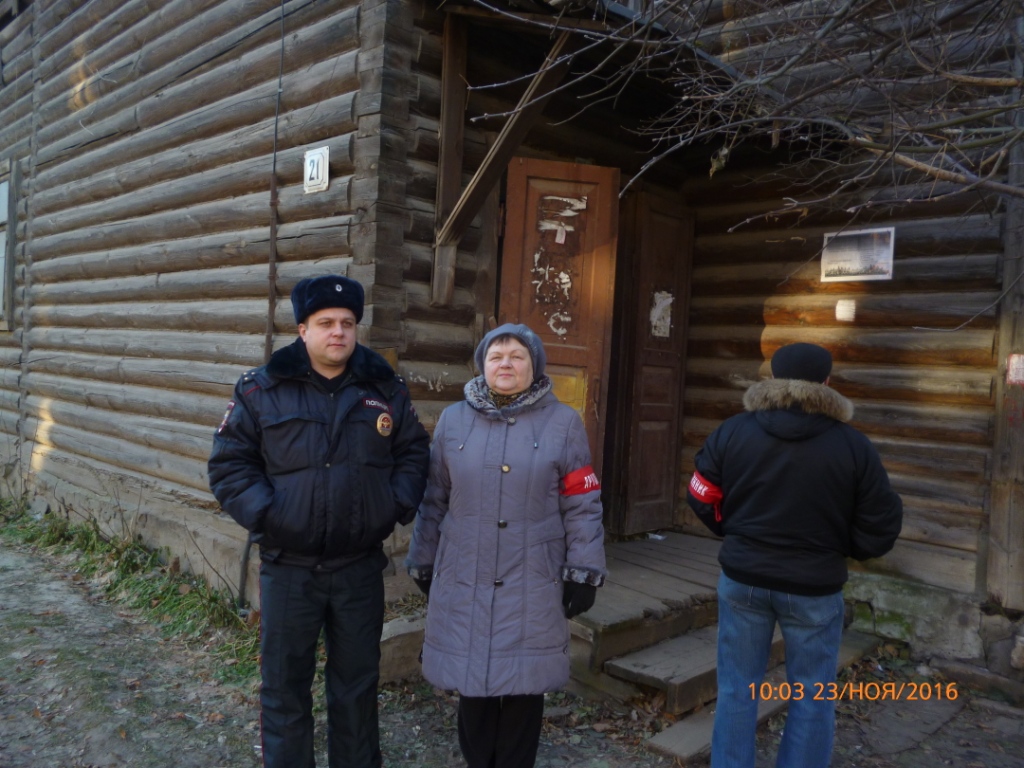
864, 254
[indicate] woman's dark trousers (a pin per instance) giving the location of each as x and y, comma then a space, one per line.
500, 731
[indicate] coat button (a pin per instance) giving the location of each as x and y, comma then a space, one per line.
498, 582
328, 465
506, 468
503, 524
511, 419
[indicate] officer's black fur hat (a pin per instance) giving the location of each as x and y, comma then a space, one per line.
316, 293
802, 361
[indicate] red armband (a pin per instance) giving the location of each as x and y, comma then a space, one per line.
707, 492
583, 480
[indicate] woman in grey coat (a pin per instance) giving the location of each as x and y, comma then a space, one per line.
508, 544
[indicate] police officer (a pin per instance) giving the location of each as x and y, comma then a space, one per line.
319, 455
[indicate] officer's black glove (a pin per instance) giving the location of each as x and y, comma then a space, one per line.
424, 585
577, 598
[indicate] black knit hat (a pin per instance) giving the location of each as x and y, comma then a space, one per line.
316, 293
802, 361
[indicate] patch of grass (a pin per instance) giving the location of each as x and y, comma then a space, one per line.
184, 606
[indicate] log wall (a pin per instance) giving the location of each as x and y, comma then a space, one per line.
146, 135
925, 397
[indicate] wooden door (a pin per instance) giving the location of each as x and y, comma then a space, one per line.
663, 234
558, 275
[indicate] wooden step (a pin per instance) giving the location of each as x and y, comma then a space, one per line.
683, 667
691, 736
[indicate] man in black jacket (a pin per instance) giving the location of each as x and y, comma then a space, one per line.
319, 455
795, 491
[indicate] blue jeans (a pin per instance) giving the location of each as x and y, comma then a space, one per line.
812, 628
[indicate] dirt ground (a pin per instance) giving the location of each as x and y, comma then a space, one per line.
86, 684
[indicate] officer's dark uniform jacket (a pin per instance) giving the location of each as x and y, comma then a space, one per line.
319, 478
794, 490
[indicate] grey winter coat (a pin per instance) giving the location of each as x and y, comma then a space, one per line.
512, 508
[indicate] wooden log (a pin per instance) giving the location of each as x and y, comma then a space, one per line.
966, 272
248, 281
939, 385
944, 460
904, 382
966, 347
149, 461
177, 437
234, 115
212, 52
461, 309
220, 216
225, 249
419, 256
14, 89
216, 156
229, 349
441, 343
224, 182
1004, 577
949, 424
69, 478
939, 566
186, 407
17, 130
960, 424
939, 310
434, 381
12, 31
184, 375
719, 215
72, 55
227, 316
955, 235
943, 529
960, 497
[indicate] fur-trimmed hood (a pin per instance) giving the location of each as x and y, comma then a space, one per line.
795, 409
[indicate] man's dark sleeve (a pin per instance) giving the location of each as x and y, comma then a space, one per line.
704, 493
878, 517
236, 470
411, 451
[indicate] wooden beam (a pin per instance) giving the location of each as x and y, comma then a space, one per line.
451, 130
540, 23
525, 114
1005, 567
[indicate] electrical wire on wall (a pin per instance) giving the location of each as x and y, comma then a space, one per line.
268, 342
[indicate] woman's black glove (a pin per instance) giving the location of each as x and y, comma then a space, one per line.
424, 585
577, 598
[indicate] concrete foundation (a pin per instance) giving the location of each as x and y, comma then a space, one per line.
935, 622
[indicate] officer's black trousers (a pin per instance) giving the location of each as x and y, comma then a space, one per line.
295, 604
500, 731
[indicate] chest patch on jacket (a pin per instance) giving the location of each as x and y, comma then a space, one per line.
583, 480
385, 424
380, 405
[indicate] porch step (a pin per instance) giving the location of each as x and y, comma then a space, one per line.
691, 736
683, 667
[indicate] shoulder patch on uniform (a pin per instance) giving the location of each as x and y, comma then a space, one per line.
380, 405
227, 415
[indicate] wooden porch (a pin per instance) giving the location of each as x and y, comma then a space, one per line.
654, 629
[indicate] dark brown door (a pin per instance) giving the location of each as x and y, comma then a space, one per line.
558, 275
662, 258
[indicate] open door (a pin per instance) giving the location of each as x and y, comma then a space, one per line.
558, 275
653, 361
